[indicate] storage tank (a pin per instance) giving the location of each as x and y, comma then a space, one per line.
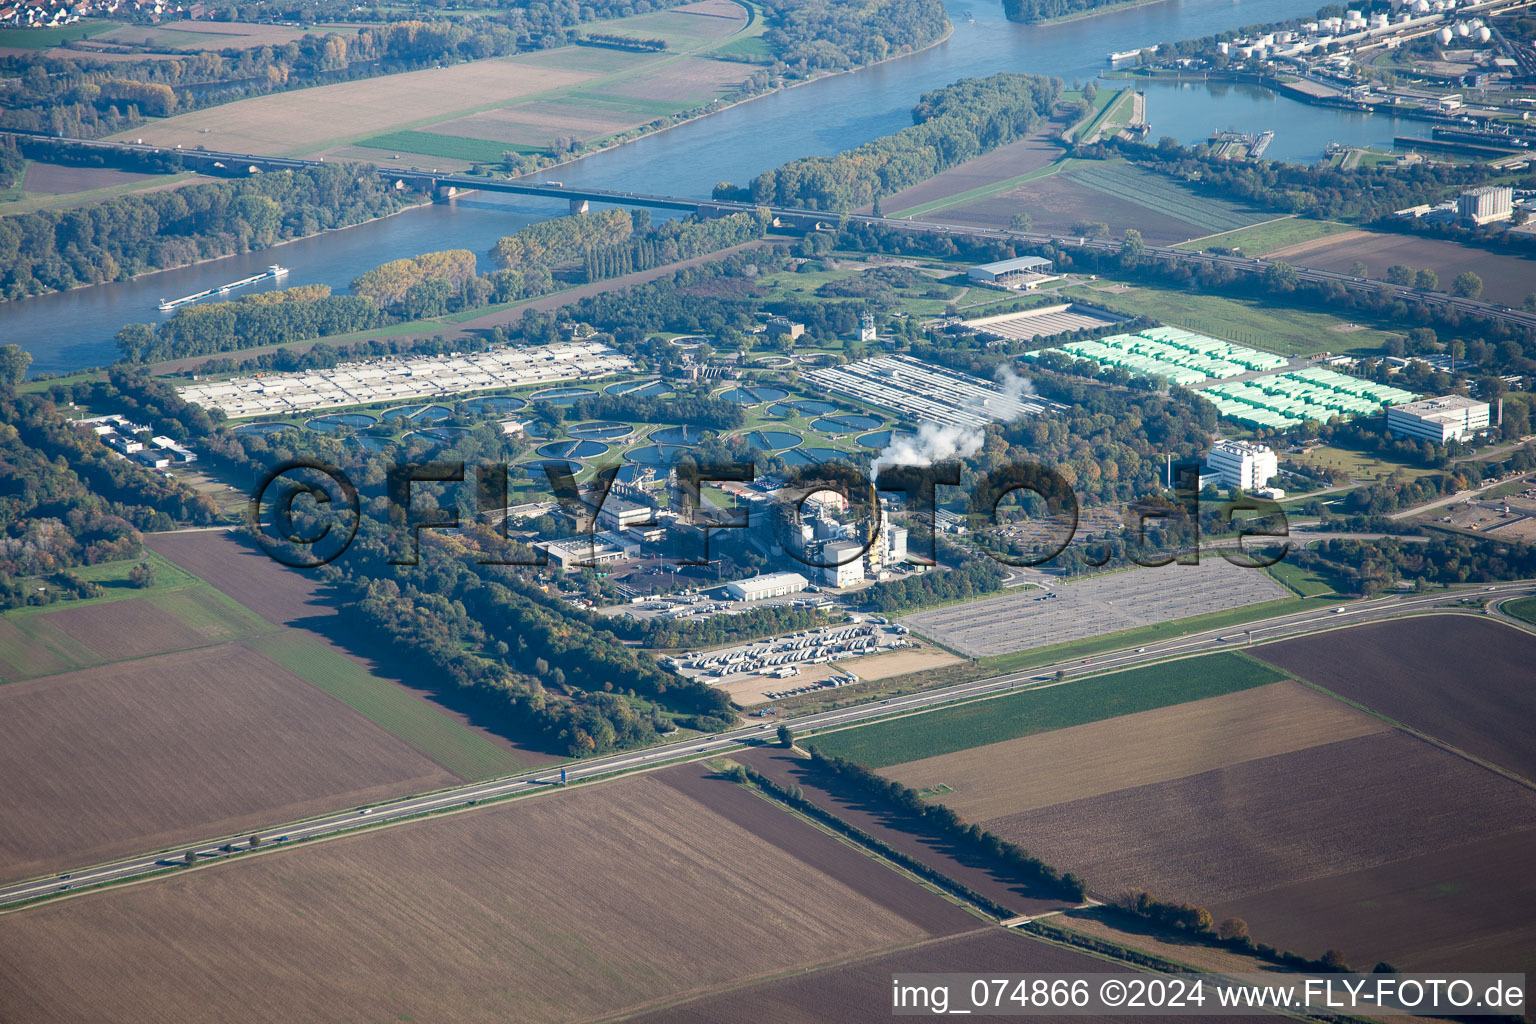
1484, 34
1463, 29
1443, 37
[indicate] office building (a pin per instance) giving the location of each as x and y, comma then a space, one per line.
1241, 464
1448, 418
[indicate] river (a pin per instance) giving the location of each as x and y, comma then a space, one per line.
72, 330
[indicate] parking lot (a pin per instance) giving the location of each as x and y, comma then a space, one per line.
784, 665
1034, 617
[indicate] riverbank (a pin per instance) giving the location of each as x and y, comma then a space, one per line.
218, 259
1093, 12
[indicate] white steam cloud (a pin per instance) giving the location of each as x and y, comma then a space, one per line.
936, 442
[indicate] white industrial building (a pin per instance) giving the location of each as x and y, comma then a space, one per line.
595, 550
773, 584
843, 562
621, 513
1486, 205
1022, 272
1242, 464
1450, 417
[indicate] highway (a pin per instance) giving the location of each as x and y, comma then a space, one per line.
1263, 630
235, 163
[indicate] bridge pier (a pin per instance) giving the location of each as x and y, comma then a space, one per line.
579, 206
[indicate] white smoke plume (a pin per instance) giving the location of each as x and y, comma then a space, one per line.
932, 443
1014, 386
935, 443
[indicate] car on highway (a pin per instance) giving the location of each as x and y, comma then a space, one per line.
1141, 650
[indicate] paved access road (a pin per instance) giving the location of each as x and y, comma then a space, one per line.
1196, 643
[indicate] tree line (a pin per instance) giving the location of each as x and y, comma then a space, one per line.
267, 318
942, 821
54, 250
1030, 11
621, 42
814, 36
670, 241
950, 126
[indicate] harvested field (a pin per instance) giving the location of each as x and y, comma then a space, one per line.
31, 648
532, 124
1467, 907
478, 910
310, 121
1232, 832
685, 27
860, 992
143, 754
327, 653
216, 35
1021, 157
275, 592
687, 82
597, 59
1463, 680
1506, 278
896, 831
1056, 203
1118, 195
57, 179
137, 626
1168, 743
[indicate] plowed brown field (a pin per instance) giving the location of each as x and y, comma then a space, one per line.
564, 907
1257, 825
139, 755
1150, 746
1463, 680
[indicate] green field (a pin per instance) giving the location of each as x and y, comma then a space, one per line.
113, 579
1044, 710
628, 104
461, 751
34, 644
1273, 328
1300, 581
1109, 105
45, 38
753, 48
1268, 236
451, 147
1360, 466
1524, 609
1162, 195
16, 200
